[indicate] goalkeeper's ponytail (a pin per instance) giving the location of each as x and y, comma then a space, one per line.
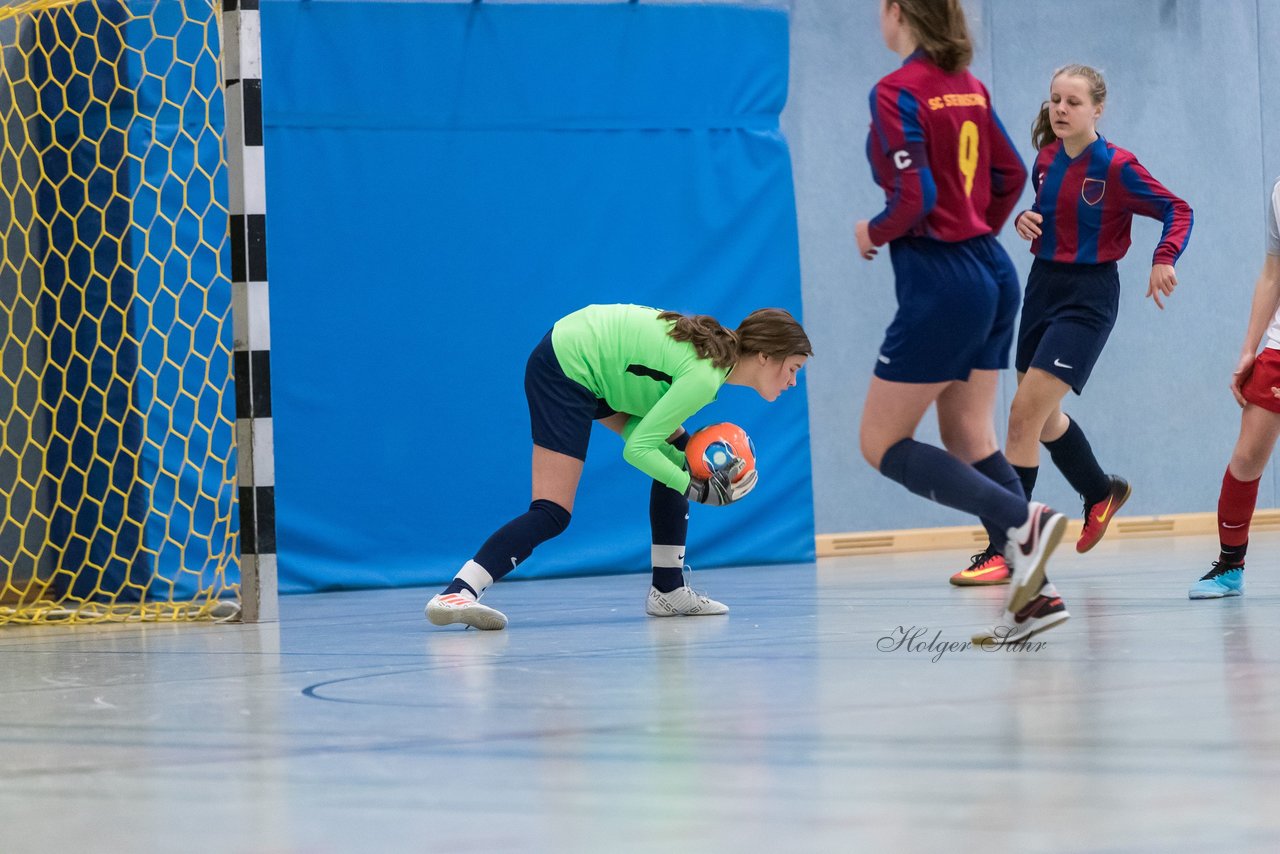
709, 339
771, 331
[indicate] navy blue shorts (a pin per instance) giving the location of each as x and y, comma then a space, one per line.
956, 306
1066, 318
560, 409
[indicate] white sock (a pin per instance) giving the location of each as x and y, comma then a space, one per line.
476, 577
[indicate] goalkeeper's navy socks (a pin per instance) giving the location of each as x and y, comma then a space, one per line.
669, 520
667, 578
513, 542
462, 587
934, 474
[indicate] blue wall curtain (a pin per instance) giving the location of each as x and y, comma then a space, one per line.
444, 182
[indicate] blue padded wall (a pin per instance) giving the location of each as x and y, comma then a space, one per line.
444, 182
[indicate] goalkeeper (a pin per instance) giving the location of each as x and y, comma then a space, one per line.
641, 372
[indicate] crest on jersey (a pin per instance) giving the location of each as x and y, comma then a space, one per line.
1092, 190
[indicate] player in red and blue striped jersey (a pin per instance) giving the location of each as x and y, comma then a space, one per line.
1086, 203
921, 116
1087, 191
951, 177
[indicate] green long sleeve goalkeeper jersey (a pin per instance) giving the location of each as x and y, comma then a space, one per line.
623, 354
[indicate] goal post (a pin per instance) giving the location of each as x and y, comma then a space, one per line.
122, 455
242, 79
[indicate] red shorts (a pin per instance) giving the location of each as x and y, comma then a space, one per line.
1264, 377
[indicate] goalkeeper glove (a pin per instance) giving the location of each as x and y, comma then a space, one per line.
720, 489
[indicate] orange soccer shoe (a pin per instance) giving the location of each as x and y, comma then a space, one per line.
1098, 516
985, 568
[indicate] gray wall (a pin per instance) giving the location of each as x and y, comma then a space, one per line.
1186, 80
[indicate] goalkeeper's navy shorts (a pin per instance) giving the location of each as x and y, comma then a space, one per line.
560, 409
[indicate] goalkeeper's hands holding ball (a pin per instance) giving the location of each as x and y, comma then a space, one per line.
721, 488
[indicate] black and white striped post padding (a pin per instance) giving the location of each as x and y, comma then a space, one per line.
251, 318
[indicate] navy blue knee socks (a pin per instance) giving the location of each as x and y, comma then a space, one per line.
997, 469
507, 547
669, 521
937, 475
1073, 455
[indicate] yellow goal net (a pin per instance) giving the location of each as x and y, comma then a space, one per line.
117, 449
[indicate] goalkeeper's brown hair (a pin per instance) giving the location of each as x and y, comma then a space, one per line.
771, 331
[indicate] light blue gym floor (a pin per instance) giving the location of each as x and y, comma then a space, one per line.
1146, 723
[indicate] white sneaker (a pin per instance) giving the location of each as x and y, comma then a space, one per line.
682, 602
1045, 611
448, 608
1027, 552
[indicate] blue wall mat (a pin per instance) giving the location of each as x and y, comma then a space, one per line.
433, 212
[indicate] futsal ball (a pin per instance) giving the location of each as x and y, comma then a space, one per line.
714, 447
